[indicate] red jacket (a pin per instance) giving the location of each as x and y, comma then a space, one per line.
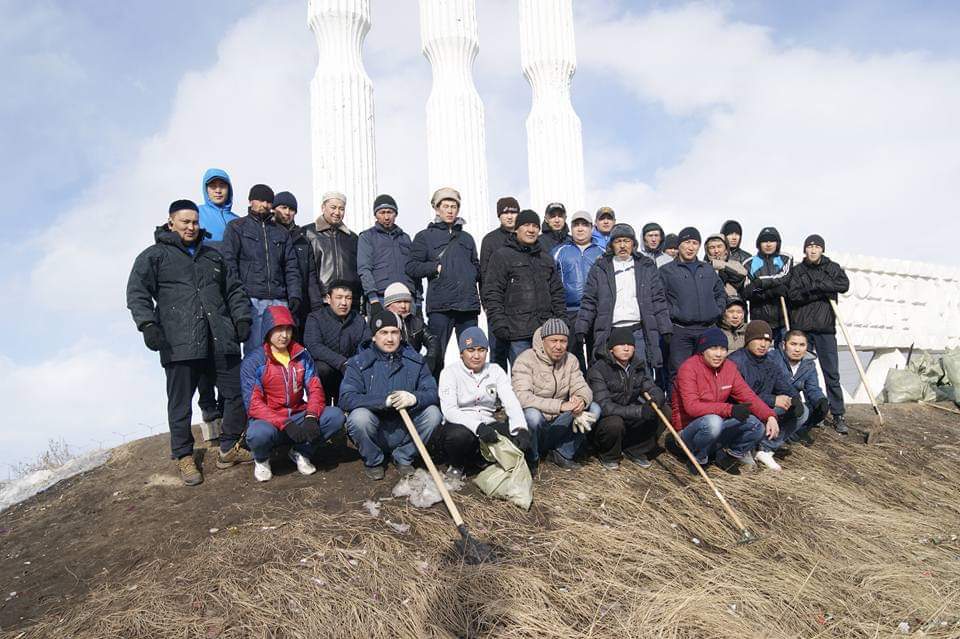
700, 390
274, 393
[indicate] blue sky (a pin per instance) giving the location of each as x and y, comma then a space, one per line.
834, 117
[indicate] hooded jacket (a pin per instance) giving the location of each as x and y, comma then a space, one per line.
491, 243
260, 253
731, 272
805, 379
371, 375
544, 385
765, 375
471, 399
333, 340
335, 254
700, 390
809, 291
602, 239
522, 290
274, 392
191, 297
735, 336
767, 280
736, 254
382, 258
657, 255
600, 299
213, 218
696, 297
550, 239
573, 266
455, 287
618, 390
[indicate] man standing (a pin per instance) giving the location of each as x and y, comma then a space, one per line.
398, 300
284, 212
333, 335
733, 233
446, 255
557, 403
603, 222
624, 290
815, 282
732, 273
334, 247
192, 309
260, 253
574, 259
522, 289
695, 296
381, 379
554, 229
216, 212
382, 252
507, 210
652, 237
768, 273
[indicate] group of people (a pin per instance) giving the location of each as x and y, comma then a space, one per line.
294, 335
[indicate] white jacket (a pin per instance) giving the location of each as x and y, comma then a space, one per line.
470, 399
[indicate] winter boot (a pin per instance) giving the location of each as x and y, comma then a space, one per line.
840, 424
189, 472
374, 472
563, 462
234, 456
639, 459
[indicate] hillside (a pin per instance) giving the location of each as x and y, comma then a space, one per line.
856, 541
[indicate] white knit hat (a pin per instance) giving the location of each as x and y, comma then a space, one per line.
396, 292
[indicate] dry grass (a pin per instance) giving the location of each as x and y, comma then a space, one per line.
854, 541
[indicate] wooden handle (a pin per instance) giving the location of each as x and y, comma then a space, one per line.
856, 360
786, 316
437, 479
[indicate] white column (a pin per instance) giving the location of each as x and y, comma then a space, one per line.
554, 140
341, 108
456, 147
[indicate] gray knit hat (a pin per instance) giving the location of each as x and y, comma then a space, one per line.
554, 326
396, 292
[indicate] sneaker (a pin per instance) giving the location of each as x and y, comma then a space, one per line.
405, 470
609, 464
375, 473
840, 425
639, 459
454, 472
189, 472
734, 463
303, 464
563, 462
262, 471
693, 469
236, 455
765, 457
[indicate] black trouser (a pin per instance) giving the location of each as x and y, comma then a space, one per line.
211, 406
442, 323
182, 380
499, 349
461, 447
612, 434
683, 344
330, 379
575, 347
825, 347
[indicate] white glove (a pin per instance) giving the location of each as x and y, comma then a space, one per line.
401, 399
583, 423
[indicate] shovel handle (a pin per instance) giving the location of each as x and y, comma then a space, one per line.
786, 315
437, 479
856, 360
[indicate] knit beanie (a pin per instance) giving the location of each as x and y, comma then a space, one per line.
554, 326
711, 337
621, 336
757, 329
384, 201
688, 233
285, 198
261, 192
671, 241
383, 319
731, 226
622, 230
182, 205
444, 193
651, 226
396, 292
507, 205
527, 216
473, 337
816, 240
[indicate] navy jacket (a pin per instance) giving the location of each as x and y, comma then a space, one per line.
809, 291
260, 253
574, 266
694, 299
371, 375
455, 287
600, 296
805, 380
382, 258
765, 375
333, 341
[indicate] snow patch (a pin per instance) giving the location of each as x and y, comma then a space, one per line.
14, 491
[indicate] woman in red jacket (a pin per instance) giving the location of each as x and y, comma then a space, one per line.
715, 410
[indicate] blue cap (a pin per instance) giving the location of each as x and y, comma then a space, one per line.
473, 337
711, 337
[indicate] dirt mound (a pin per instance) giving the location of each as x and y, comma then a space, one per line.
856, 541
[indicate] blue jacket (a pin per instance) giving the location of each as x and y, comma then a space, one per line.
261, 254
331, 340
765, 375
805, 380
602, 239
693, 299
573, 265
382, 258
213, 218
455, 287
371, 375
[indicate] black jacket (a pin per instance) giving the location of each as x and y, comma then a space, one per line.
550, 239
522, 290
332, 340
600, 298
417, 336
619, 392
695, 300
382, 258
190, 297
335, 256
739, 255
809, 291
455, 287
260, 253
492, 241
308, 272
768, 277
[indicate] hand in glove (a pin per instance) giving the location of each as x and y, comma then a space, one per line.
740, 412
819, 412
796, 406
294, 305
306, 430
401, 399
583, 423
486, 433
243, 330
522, 439
153, 337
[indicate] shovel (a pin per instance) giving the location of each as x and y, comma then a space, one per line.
472, 550
874, 435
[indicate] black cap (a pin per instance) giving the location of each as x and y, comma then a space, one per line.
527, 216
285, 198
261, 192
651, 226
384, 201
768, 234
731, 226
689, 233
816, 240
383, 319
507, 205
554, 207
733, 300
670, 241
620, 336
182, 205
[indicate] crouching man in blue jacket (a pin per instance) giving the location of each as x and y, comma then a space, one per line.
383, 377
800, 366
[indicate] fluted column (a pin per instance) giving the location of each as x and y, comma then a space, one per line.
341, 108
554, 140
456, 147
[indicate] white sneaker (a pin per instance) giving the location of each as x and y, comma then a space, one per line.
303, 464
261, 470
765, 457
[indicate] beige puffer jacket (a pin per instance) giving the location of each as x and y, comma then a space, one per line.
541, 384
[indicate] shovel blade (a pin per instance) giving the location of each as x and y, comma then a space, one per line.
471, 550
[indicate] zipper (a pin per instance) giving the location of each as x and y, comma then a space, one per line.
266, 251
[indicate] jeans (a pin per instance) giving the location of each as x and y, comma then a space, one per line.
683, 344
263, 437
257, 306
788, 426
825, 347
704, 435
375, 434
442, 324
516, 347
498, 350
556, 434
